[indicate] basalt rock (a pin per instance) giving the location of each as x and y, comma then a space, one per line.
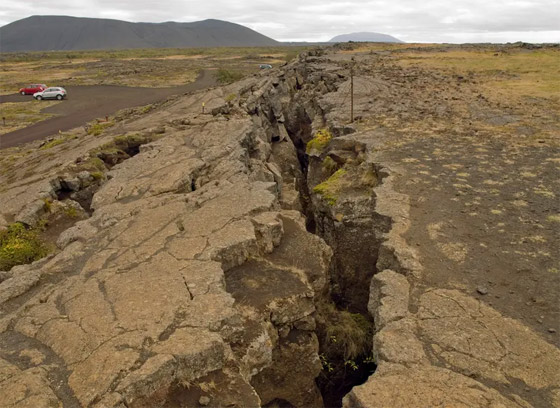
196, 277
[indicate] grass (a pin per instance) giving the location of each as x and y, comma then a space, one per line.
329, 189
22, 114
20, 245
98, 128
71, 212
319, 142
345, 342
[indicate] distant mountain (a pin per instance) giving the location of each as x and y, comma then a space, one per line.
365, 37
46, 33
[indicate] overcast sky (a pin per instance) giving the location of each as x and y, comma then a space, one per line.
320, 20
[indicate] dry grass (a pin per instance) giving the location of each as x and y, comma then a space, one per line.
22, 114
516, 73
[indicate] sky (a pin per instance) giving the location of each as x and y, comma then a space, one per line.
454, 21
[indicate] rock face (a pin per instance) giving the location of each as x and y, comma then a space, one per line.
195, 280
182, 287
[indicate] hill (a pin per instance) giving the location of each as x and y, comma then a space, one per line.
365, 37
46, 33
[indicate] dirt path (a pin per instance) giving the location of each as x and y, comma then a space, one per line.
86, 103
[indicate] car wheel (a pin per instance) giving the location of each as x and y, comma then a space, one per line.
22, 92
39, 97
59, 97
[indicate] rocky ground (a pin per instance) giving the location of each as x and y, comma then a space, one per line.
197, 253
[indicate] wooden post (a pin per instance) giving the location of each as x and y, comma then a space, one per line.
352, 91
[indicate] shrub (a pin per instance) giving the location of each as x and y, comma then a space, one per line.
20, 245
225, 76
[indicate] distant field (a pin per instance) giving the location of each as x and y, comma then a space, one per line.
138, 68
523, 78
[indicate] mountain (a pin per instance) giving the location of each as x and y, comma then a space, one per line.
46, 33
366, 37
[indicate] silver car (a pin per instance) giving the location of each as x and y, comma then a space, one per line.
53, 92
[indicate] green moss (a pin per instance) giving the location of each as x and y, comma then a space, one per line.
97, 175
146, 109
329, 188
319, 142
131, 140
19, 245
230, 98
329, 165
93, 164
47, 205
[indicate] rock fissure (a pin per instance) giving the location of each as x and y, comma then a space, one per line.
276, 276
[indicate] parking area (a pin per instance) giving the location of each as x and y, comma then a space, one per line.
86, 103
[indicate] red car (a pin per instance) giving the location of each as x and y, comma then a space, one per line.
33, 88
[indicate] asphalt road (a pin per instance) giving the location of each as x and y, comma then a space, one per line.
86, 103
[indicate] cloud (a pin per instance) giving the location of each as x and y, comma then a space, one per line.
320, 20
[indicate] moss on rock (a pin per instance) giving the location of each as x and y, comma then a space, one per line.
20, 245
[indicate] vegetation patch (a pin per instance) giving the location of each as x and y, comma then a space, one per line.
71, 212
20, 245
330, 188
329, 165
98, 128
52, 143
18, 115
345, 348
513, 71
319, 142
227, 76
230, 98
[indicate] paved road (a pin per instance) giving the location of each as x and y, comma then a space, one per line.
86, 103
